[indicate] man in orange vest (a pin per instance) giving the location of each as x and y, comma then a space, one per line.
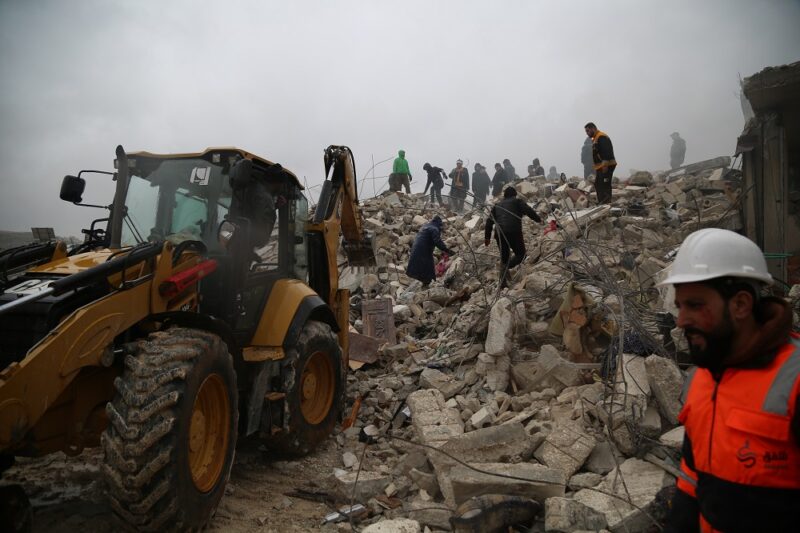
741, 455
604, 162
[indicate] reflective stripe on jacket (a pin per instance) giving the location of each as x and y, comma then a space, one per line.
742, 460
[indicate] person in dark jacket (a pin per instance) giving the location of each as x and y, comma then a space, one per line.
538, 169
436, 177
480, 184
507, 216
511, 172
586, 158
677, 151
499, 179
604, 162
420, 263
459, 185
552, 175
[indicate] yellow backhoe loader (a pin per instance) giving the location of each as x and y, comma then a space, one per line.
203, 308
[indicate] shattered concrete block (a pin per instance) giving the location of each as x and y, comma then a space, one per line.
401, 312
650, 424
425, 480
431, 514
507, 443
583, 480
482, 417
369, 484
566, 448
601, 460
643, 481
568, 515
397, 525
433, 422
501, 324
666, 382
633, 380
673, 438
430, 378
529, 480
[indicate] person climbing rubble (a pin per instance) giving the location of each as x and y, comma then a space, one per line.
538, 169
511, 172
507, 216
604, 162
459, 185
743, 399
401, 174
421, 265
436, 177
552, 174
480, 184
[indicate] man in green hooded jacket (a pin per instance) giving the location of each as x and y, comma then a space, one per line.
401, 175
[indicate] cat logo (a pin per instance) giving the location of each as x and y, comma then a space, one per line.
746, 456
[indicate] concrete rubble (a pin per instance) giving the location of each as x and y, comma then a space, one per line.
553, 389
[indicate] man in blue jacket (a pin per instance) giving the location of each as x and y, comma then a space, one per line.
420, 264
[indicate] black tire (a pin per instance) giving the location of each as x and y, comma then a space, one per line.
147, 451
304, 431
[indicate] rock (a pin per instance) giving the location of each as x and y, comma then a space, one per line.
425, 481
369, 484
633, 380
601, 460
673, 438
401, 313
501, 326
538, 482
430, 378
650, 424
586, 479
549, 370
568, 515
349, 459
482, 417
641, 178
397, 525
418, 221
433, 422
643, 481
565, 449
507, 443
666, 382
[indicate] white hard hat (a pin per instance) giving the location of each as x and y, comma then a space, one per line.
716, 253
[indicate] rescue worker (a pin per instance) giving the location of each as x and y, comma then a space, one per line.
507, 215
677, 152
586, 158
459, 185
499, 180
420, 263
604, 162
480, 184
401, 175
741, 452
436, 177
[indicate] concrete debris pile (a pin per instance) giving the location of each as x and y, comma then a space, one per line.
558, 395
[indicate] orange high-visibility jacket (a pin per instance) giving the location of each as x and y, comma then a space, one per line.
741, 461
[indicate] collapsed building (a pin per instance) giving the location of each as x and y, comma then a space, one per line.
558, 396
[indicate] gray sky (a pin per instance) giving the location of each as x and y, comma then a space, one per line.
477, 80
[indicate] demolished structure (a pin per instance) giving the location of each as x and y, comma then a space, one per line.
560, 393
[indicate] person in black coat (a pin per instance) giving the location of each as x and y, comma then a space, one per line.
480, 184
420, 263
507, 216
436, 177
459, 185
499, 179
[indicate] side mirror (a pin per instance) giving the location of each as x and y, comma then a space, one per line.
225, 233
241, 174
72, 188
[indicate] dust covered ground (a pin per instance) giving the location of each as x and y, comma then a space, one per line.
67, 492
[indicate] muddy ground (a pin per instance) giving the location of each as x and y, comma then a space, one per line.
67, 492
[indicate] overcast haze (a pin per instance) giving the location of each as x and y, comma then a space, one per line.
477, 80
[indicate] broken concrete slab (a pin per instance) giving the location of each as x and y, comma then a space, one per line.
432, 514
568, 515
397, 525
501, 324
666, 382
673, 438
368, 485
430, 378
524, 479
566, 448
433, 422
642, 481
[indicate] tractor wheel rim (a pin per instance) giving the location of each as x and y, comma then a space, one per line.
208, 433
317, 387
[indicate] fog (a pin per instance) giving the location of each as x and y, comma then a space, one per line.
481, 81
